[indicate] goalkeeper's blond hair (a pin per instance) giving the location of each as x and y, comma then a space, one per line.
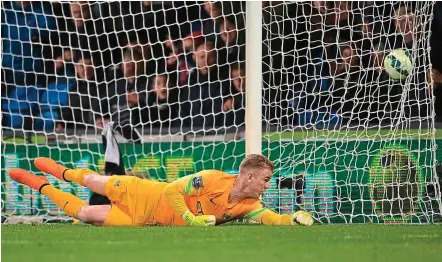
256, 161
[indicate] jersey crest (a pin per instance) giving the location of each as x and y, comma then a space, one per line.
197, 182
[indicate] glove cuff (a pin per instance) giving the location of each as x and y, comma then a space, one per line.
293, 220
188, 217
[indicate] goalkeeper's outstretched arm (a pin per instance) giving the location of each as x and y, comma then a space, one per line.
268, 217
175, 192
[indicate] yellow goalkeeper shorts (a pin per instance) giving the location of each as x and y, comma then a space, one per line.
132, 198
117, 217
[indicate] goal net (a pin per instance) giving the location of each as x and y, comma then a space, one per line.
350, 144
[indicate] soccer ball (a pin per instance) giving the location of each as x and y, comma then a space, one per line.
398, 64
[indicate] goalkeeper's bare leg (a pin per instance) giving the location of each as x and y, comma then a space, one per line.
70, 204
107, 215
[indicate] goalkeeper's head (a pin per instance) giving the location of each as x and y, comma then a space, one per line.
255, 173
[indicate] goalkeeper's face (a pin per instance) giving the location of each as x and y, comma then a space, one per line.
258, 181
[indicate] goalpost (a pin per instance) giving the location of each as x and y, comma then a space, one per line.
350, 144
254, 81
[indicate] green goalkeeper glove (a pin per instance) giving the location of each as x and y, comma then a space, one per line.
202, 221
302, 218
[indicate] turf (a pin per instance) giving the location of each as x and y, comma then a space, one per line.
80, 243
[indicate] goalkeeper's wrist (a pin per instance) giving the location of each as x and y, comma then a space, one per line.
188, 217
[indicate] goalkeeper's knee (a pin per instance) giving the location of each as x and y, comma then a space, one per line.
94, 215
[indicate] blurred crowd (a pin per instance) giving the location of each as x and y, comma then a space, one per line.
179, 64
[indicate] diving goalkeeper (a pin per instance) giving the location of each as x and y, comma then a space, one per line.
205, 198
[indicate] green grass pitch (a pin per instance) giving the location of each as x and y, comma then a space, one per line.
80, 243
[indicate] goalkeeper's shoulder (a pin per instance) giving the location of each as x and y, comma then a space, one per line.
202, 182
212, 175
209, 181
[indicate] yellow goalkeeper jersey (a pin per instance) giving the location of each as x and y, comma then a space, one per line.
205, 193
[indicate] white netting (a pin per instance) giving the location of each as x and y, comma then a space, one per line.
365, 149
171, 75
162, 71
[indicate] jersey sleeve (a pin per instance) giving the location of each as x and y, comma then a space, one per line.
257, 212
196, 184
